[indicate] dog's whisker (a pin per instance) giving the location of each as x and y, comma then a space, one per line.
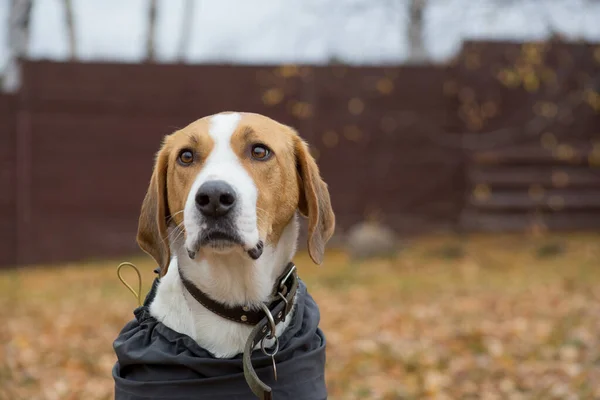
261, 210
178, 236
170, 218
178, 229
181, 232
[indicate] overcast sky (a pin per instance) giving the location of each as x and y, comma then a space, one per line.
308, 31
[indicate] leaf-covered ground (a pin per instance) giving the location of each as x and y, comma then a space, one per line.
486, 317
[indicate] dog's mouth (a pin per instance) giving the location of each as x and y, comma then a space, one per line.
223, 241
219, 239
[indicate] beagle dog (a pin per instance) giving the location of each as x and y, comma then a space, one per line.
221, 210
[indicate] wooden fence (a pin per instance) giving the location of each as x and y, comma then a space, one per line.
77, 147
535, 112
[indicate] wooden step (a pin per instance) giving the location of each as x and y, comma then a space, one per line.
501, 222
500, 176
550, 199
535, 154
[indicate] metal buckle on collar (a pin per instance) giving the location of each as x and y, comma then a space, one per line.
282, 289
286, 311
270, 319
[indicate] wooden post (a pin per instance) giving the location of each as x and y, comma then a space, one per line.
23, 166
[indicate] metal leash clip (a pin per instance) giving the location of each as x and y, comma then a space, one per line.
270, 336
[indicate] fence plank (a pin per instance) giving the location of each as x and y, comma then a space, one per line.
550, 199
511, 177
519, 222
7, 180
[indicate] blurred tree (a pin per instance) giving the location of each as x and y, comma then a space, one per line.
417, 50
150, 42
18, 40
407, 16
186, 29
68, 7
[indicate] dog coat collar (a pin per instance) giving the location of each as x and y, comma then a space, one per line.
264, 320
155, 362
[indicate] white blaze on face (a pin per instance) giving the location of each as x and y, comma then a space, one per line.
223, 164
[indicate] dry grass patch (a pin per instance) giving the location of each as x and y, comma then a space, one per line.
476, 317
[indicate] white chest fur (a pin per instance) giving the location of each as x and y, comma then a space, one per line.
231, 279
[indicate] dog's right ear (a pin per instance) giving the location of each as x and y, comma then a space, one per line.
152, 235
314, 202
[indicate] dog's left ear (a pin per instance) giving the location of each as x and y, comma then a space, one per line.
152, 235
314, 202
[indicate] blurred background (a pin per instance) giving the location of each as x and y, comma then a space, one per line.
460, 141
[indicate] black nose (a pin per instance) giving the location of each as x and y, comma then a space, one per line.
215, 198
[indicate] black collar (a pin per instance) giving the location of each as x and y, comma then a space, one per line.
283, 292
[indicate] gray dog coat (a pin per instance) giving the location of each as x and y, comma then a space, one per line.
155, 362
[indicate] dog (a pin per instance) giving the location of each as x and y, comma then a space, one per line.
220, 219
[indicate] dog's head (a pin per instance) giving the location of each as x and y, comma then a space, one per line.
229, 183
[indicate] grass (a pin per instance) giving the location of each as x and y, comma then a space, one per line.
487, 317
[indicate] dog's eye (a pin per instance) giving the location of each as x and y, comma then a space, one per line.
260, 152
186, 157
